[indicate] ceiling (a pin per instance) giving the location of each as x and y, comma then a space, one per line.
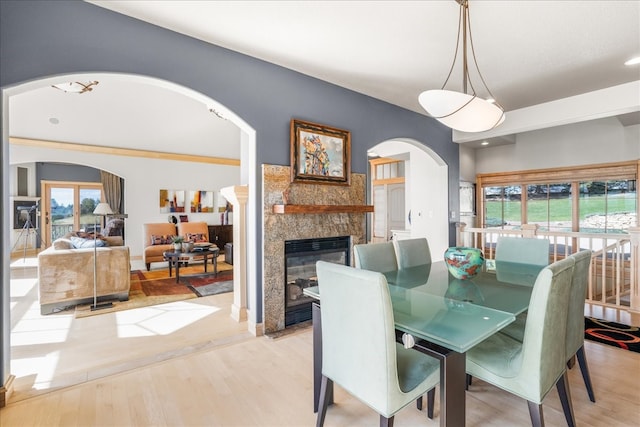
529, 52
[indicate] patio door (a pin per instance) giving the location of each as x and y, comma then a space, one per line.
68, 206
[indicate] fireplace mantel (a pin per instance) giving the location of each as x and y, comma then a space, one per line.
321, 209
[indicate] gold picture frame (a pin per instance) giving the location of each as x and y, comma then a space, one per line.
320, 154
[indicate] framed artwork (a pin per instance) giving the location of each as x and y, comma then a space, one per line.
171, 200
201, 201
320, 154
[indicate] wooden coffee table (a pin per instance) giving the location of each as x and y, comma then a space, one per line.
176, 258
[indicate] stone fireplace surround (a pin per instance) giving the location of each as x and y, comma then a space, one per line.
281, 227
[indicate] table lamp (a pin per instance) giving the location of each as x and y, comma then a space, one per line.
102, 209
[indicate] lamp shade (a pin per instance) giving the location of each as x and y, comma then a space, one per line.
102, 209
461, 111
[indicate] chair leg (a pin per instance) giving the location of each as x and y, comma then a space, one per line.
386, 422
535, 412
419, 403
431, 398
468, 382
324, 400
565, 398
148, 266
571, 362
582, 361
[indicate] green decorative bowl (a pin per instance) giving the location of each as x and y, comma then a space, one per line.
463, 263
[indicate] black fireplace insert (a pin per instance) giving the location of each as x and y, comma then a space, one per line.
300, 257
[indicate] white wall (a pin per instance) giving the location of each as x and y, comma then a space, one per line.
143, 180
426, 192
597, 141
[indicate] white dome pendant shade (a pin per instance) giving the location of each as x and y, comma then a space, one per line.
461, 111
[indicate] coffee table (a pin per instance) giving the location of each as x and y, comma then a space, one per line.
176, 258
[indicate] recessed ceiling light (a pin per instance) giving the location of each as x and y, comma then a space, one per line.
485, 143
76, 87
633, 61
54, 121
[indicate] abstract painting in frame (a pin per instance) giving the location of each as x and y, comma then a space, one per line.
320, 154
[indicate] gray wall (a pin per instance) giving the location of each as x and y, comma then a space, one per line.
41, 39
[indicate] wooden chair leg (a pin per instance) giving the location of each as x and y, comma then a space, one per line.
431, 398
571, 362
584, 369
386, 422
419, 403
565, 398
535, 412
324, 400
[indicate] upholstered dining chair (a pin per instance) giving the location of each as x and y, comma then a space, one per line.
412, 252
380, 257
359, 349
529, 369
527, 250
520, 250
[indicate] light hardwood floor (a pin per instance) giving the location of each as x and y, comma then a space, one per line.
171, 367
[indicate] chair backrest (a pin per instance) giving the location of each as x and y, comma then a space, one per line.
526, 250
543, 358
358, 335
412, 252
379, 257
575, 312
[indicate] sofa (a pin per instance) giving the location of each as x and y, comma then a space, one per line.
157, 238
65, 274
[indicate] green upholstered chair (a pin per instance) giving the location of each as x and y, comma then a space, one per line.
527, 250
575, 316
531, 368
359, 349
520, 250
379, 257
412, 252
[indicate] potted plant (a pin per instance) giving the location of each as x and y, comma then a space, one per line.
177, 243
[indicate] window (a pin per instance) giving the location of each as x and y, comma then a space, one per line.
593, 199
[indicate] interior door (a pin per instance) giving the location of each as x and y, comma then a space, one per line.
68, 206
395, 208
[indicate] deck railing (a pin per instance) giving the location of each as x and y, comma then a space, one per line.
615, 259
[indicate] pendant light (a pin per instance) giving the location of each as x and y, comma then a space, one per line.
464, 111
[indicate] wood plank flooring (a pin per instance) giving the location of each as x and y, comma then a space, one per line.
223, 377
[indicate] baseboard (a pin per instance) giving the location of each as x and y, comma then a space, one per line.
6, 391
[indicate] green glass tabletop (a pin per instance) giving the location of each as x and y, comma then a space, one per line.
431, 304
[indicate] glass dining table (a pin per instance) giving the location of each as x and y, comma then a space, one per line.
442, 316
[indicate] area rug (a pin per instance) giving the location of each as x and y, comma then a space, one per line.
204, 290
612, 333
156, 287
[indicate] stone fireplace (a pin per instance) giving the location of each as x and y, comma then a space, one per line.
281, 227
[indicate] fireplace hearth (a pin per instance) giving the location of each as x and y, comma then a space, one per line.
300, 271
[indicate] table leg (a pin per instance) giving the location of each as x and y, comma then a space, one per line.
317, 358
214, 261
452, 380
170, 259
177, 270
205, 255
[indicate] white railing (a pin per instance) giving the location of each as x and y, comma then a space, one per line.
615, 261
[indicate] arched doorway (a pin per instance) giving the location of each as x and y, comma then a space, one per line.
247, 161
426, 181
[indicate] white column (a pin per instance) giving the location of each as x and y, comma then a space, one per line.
238, 196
